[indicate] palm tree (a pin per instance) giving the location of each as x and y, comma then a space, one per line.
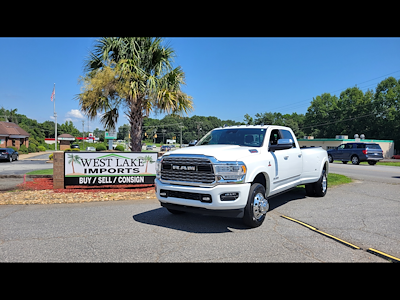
137, 74
148, 159
73, 158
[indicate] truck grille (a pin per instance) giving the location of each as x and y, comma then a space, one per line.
187, 169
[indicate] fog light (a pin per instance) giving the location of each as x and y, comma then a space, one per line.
206, 198
163, 194
229, 196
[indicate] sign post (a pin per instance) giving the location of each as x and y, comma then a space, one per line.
110, 135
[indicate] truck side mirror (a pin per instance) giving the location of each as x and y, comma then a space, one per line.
282, 144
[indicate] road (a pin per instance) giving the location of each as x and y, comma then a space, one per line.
364, 213
377, 173
24, 166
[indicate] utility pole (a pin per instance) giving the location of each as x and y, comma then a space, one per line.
180, 127
83, 133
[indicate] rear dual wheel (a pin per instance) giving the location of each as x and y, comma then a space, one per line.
319, 188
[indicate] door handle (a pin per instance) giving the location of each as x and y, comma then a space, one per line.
286, 157
299, 155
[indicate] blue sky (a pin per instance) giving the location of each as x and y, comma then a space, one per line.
227, 77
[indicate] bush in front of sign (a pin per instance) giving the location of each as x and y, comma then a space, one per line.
100, 147
120, 148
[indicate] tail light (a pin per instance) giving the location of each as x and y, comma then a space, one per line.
364, 151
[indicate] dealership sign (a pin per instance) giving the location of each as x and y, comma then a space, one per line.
104, 168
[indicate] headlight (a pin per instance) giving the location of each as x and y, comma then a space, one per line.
230, 171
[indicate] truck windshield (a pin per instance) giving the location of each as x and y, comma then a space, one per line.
249, 137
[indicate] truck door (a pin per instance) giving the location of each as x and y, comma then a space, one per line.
288, 162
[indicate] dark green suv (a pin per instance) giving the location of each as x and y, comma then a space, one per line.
356, 153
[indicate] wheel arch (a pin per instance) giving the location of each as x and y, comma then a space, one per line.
263, 179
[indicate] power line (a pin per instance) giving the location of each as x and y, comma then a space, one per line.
342, 89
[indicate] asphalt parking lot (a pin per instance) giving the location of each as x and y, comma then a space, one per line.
363, 213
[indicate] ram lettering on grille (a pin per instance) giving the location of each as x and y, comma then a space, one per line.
184, 169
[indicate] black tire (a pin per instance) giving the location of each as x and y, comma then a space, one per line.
330, 158
310, 189
371, 162
321, 186
254, 216
10, 158
355, 160
175, 212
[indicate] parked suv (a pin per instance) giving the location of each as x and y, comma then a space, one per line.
356, 153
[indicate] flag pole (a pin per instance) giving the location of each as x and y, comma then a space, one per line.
55, 117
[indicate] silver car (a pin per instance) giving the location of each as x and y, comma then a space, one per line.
90, 149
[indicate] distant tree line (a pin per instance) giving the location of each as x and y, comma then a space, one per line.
374, 113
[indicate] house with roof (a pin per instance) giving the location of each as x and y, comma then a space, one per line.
12, 135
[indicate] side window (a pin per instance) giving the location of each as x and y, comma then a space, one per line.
274, 137
348, 146
341, 147
287, 135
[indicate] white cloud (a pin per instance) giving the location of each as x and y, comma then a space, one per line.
74, 113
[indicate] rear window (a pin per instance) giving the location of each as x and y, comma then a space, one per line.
373, 146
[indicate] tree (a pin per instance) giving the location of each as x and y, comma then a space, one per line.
123, 132
135, 74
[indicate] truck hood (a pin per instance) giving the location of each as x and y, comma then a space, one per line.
220, 152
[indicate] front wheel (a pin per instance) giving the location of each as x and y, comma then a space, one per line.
330, 158
257, 206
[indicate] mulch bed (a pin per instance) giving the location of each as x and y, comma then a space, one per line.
47, 184
40, 191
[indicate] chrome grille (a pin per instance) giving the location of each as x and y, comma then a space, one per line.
187, 169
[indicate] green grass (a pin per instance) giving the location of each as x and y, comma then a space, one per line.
334, 180
41, 172
337, 179
379, 163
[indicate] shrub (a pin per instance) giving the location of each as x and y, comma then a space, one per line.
32, 148
51, 156
120, 148
12, 147
41, 148
100, 147
73, 149
23, 149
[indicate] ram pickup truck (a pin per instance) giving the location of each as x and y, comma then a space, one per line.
233, 171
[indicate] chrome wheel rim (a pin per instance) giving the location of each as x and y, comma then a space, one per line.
324, 183
260, 206
354, 160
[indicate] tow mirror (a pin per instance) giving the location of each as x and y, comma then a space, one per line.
282, 145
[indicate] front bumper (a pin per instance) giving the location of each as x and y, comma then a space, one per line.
184, 193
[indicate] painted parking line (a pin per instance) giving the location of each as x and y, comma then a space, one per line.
321, 232
381, 254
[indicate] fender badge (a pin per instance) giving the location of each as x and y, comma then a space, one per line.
253, 151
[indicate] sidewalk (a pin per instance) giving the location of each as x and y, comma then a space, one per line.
32, 156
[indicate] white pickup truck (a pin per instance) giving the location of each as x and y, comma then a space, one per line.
233, 171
